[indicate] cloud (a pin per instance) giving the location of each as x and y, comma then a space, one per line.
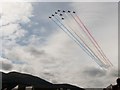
36, 52
5, 64
12, 16
94, 72
15, 12
95, 77
12, 31
98, 20
57, 59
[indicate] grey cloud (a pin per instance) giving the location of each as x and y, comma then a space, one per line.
6, 65
36, 52
99, 78
113, 73
94, 72
96, 83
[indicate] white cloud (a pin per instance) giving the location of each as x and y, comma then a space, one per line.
59, 62
9, 29
12, 14
15, 12
59, 59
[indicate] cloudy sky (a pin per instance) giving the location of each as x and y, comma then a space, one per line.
31, 43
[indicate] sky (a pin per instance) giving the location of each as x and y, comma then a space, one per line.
33, 44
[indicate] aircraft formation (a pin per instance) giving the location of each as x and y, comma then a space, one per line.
72, 25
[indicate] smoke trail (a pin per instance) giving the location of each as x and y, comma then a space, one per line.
86, 34
95, 53
75, 34
94, 41
83, 47
96, 44
73, 38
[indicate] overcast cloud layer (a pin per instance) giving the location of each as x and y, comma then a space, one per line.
33, 44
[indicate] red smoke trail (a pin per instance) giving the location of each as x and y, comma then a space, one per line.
100, 50
83, 41
78, 42
87, 35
